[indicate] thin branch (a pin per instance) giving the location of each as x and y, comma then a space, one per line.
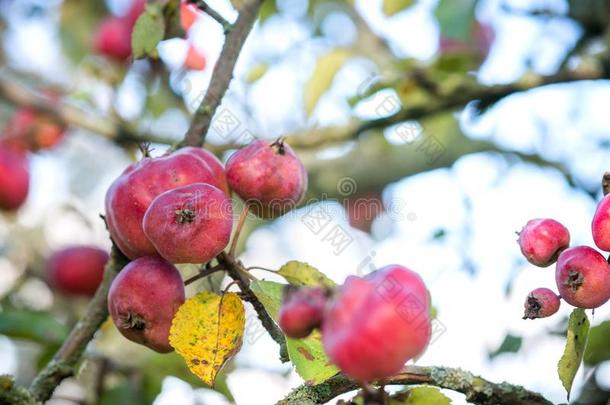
203, 6
64, 362
203, 272
223, 73
237, 273
476, 389
18, 94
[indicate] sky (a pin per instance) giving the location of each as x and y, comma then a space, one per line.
476, 275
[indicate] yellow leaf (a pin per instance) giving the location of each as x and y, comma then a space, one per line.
257, 72
302, 274
207, 331
323, 76
391, 7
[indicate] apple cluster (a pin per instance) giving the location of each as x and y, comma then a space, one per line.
176, 208
27, 131
582, 274
371, 326
113, 36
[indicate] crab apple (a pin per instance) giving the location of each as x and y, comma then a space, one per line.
542, 240
195, 60
188, 15
130, 195
600, 226
215, 166
143, 300
14, 177
189, 224
302, 311
376, 323
583, 277
541, 303
362, 210
268, 176
30, 130
77, 270
113, 38
481, 40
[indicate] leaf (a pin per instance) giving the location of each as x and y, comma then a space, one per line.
598, 349
391, 7
268, 9
322, 77
307, 354
576, 339
456, 18
148, 32
302, 274
40, 327
78, 19
511, 344
423, 396
257, 72
206, 331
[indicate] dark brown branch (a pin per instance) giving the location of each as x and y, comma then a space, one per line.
203, 272
18, 94
64, 362
203, 6
476, 389
237, 273
223, 73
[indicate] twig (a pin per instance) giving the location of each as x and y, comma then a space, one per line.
18, 94
236, 271
203, 272
476, 389
203, 6
64, 362
222, 74
240, 224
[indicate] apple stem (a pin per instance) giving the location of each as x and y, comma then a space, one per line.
240, 225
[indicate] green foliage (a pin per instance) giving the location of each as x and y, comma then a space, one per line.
510, 344
148, 32
456, 18
322, 77
307, 354
598, 347
392, 7
578, 329
268, 9
302, 274
78, 21
39, 327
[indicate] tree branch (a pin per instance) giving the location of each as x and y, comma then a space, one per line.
203, 6
18, 94
223, 73
237, 271
476, 389
67, 357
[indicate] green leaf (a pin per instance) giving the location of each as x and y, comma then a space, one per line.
322, 77
123, 393
598, 349
511, 344
76, 28
307, 354
391, 7
268, 9
257, 72
422, 396
578, 329
302, 274
456, 18
40, 327
148, 32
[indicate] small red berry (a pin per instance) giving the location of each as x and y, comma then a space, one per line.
30, 130
195, 60
189, 224
77, 270
583, 277
302, 311
600, 225
541, 241
376, 323
268, 176
14, 177
540, 303
130, 195
113, 38
143, 300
